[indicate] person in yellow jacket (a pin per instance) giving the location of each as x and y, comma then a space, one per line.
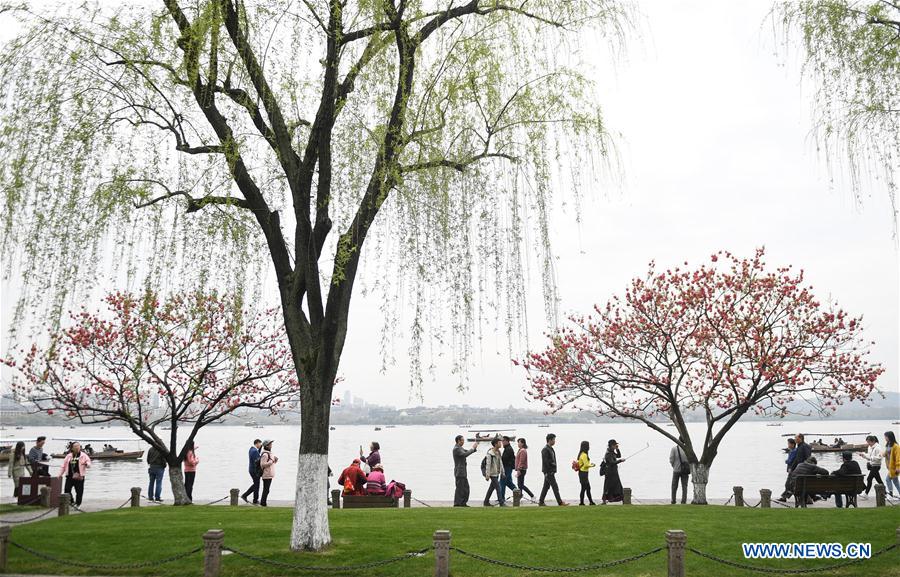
892, 461
585, 465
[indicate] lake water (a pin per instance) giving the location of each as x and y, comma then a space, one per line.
420, 456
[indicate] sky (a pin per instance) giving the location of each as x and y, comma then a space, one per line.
713, 136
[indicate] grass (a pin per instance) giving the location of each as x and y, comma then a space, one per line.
543, 537
12, 508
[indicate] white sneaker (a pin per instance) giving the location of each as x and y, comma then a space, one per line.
864, 497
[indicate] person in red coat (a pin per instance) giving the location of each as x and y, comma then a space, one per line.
353, 479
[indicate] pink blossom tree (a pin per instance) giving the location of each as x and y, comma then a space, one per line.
185, 362
722, 340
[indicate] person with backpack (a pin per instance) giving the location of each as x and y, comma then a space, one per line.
583, 465
612, 485
156, 469
492, 469
255, 472
522, 467
353, 479
267, 463
460, 473
548, 468
681, 470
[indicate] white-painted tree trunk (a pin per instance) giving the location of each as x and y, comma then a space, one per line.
310, 530
176, 479
699, 478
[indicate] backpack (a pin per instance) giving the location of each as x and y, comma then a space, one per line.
395, 489
349, 487
603, 467
484, 467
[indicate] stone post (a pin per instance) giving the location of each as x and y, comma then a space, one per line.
135, 496
64, 500
45, 496
335, 498
738, 496
879, 495
675, 542
626, 496
234, 495
765, 498
212, 552
5, 531
442, 554
517, 497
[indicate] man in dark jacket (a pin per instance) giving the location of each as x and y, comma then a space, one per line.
548, 468
253, 457
804, 452
461, 496
156, 462
807, 467
508, 459
848, 467
798, 453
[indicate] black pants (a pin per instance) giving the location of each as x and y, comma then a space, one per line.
683, 479
254, 488
266, 484
189, 477
492, 486
520, 481
874, 473
78, 486
585, 487
550, 482
461, 496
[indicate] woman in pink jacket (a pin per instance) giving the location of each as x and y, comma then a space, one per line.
522, 467
74, 468
190, 469
267, 462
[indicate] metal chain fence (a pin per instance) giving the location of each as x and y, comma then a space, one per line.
74, 563
28, 520
789, 571
591, 567
216, 501
323, 568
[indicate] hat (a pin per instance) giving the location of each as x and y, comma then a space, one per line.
355, 462
378, 467
267, 441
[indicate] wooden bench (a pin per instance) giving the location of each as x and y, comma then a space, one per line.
850, 485
369, 501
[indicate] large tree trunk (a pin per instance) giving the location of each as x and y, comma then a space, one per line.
177, 480
699, 478
310, 530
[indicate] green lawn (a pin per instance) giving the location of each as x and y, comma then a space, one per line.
10, 508
543, 537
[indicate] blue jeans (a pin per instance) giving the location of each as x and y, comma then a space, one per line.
505, 482
895, 481
156, 477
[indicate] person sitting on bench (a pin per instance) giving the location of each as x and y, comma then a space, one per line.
353, 479
375, 481
848, 467
807, 467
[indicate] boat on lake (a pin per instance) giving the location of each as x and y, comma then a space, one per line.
820, 448
108, 454
492, 435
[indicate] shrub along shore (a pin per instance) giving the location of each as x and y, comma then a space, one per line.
545, 537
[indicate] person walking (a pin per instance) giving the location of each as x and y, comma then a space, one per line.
75, 467
521, 465
892, 462
156, 462
612, 485
255, 472
873, 463
374, 457
18, 465
799, 452
190, 470
460, 473
267, 463
508, 460
584, 467
681, 470
548, 468
493, 471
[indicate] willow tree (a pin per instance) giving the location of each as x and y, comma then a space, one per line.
851, 53
209, 140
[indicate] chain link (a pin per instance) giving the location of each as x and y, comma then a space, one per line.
369, 565
788, 571
127, 501
420, 502
729, 500
35, 518
139, 565
592, 567
217, 501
